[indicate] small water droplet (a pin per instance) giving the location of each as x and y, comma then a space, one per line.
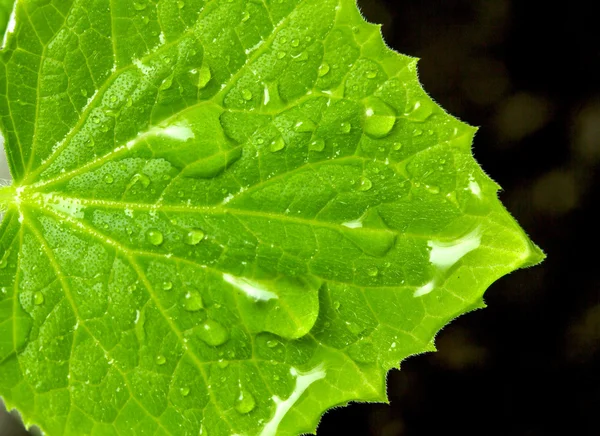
305, 126
184, 391
222, 364
373, 271
203, 76
317, 145
180, 4
138, 6
371, 74
346, 128
277, 145
161, 360
246, 94
38, 298
336, 305
272, 344
397, 146
155, 237
213, 333
193, 302
109, 179
245, 16
324, 69
281, 55
245, 403
365, 184
167, 286
295, 43
193, 237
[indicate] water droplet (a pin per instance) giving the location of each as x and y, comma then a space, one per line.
193, 302
139, 6
167, 286
272, 344
420, 111
184, 391
246, 94
180, 4
283, 40
397, 146
295, 43
222, 364
38, 298
245, 403
371, 74
417, 132
161, 360
317, 145
324, 69
4, 260
373, 271
346, 128
305, 126
155, 237
336, 305
277, 145
143, 179
213, 333
202, 76
281, 55
380, 118
109, 178
193, 237
365, 184
245, 16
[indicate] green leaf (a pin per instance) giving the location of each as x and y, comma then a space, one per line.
227, 216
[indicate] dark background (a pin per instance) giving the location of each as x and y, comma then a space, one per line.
528, 73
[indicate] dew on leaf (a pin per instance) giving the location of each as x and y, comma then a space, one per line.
138, 6
38, 298
272, 344
109, 179
323, 69
155, 237
277, 145
305, 126
193, 237
193, 302
280, 55
203, 76
365, 184
420, 111
373, 271
180, 4
397, 146
167, 286
345, 128
317, 145
246, 94
245, 402
142, 179
184, 391
371, 74
213, 333
380, 118
245, 16
161, 360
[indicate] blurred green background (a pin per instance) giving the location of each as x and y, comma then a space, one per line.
527, 73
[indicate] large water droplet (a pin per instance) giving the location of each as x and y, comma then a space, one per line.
193, 302
420, 111
324, 69
380, 118
202, 76
155, 237
213, 333
317, 145
246, 95
365, 184
245, 403
142, 179
277, 145
193, 237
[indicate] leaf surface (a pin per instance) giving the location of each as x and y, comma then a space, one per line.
227, 216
